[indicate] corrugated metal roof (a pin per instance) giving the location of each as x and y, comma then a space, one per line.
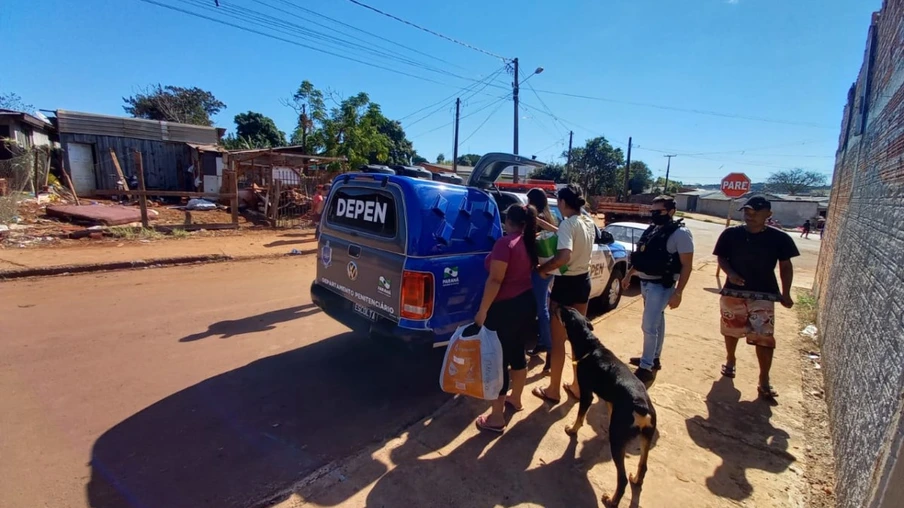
74, 122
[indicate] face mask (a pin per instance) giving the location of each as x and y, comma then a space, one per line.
660, 218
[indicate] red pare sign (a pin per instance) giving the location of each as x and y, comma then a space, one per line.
735, 185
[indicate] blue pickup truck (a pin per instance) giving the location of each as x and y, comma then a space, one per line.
403, 256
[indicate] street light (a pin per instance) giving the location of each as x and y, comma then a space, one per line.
516, 86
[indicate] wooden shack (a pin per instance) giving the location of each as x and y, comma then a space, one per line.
176, 156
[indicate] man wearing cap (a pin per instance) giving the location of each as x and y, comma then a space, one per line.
748, 255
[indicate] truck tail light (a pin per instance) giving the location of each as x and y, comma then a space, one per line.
417, 295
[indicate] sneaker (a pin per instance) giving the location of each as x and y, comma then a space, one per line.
635, 361
645, 376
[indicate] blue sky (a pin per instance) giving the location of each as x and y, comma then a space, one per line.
788, 62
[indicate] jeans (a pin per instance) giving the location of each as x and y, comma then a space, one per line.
655, 299
541, 296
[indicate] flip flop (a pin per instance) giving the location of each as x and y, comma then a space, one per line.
541, 394
482, 425
514, 408
729, 371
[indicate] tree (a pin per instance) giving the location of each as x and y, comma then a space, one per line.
233, 142
355, 128
552, 171
14, 102
401, 149
660, 188
596, 165
639, 179
441, 158
794, 181
311, 110
469, 159
260, 131
417, 160
174, 104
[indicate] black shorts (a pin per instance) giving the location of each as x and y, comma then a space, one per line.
571, 290
513, 320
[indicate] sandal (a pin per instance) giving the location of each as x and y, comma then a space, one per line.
483, 425
541, 394
729, 370
767, 392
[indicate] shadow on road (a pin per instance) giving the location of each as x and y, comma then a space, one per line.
485, 471
244, 435
253, 324
742, 435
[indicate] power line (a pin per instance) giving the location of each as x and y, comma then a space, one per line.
463, 90
558, 142
374, 49
315, 13
288, 28
686, 110
282, 26
485, 120
499, 101
445, 101
409, 23
303, 45
545, 107
694, 155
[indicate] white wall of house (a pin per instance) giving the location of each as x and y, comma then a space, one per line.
39, 138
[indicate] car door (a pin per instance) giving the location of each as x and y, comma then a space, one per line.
601, 264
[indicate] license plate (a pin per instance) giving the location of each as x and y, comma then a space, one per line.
364, 311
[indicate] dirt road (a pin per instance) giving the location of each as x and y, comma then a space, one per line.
213, 385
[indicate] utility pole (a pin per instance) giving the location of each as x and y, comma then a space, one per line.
515, 87
455, 148
304, 137
568, 162
628, 172
304, 129
665, 189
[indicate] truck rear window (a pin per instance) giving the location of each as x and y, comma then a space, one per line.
362, 209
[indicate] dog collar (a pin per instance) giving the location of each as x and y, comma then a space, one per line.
575, 362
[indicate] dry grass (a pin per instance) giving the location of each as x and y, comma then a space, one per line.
806, 307
128, 233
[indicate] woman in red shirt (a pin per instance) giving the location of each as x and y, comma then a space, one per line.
508, 305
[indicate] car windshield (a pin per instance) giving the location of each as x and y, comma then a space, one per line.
624, 233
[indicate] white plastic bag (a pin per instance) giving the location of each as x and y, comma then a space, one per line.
473, 364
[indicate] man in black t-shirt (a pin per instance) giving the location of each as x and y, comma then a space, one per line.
748, 255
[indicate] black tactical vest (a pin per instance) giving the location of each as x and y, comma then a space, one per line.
651, 257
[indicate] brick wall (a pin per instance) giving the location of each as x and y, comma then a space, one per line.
860, 275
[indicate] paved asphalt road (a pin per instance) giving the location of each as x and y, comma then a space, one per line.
214, 385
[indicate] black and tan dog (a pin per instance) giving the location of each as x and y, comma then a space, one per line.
631, 412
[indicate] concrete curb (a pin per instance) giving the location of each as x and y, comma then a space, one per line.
48, 271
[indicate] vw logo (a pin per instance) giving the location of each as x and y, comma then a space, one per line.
352, 270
